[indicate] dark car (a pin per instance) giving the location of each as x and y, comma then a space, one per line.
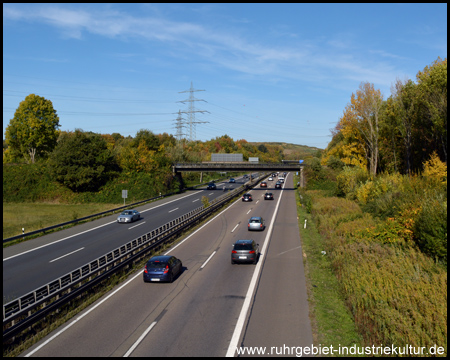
245, 251
247, 197
211, 186
278, 185
268, 196
162, 268
232, 180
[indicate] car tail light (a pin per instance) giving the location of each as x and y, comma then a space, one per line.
233, 251
166, 270
145, 270
252, 252
260, 225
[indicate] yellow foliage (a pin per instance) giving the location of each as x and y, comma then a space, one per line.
435, 169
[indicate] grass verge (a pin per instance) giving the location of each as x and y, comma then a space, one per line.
331, 321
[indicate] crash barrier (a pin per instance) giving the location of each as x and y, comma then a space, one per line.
43, 230
33, 306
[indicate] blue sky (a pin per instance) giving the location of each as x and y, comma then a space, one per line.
270, 72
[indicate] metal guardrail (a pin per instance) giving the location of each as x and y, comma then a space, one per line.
31, 307
91, 216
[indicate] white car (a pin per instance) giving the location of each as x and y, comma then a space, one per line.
271, 178
281, 179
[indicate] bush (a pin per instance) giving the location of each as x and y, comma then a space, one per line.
349, 180
430, 229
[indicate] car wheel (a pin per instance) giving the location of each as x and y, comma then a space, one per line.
232, 262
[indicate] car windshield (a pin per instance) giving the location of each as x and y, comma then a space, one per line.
156, 264
243, 246
255, 221
127, 213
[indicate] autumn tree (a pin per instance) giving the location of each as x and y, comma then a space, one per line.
366, 105
34, 129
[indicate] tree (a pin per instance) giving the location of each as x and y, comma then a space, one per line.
432, 93
367, 105
82, 161
34, 129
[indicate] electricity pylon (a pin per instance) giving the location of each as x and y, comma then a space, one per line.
191, 112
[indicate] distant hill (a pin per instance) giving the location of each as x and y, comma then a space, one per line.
293, 151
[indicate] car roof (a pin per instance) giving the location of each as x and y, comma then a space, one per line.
255, 217
243, 241
161, 258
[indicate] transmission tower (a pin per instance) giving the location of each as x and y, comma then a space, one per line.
179, 125
191, 112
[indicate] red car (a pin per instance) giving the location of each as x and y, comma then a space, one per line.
263, 184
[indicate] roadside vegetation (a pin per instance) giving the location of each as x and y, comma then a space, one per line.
375, 201
379, 247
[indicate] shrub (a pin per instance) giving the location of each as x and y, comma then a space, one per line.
430, 229
349, 180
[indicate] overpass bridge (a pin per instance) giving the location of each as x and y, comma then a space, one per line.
244, 166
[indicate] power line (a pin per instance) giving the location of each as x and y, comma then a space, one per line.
192, 111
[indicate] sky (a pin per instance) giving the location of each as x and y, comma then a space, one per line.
261, 72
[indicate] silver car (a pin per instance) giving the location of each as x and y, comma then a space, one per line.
256, 223
128, 216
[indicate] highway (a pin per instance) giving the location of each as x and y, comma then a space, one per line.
34, 263
212, 307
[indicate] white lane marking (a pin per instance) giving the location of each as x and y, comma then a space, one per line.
284, 252
138, 341
195, 200
118, 289
248, 212
201, 267
142, 223
82, 316
66, 255
257, 201
98, 227
173, 210
248, 298
235, 228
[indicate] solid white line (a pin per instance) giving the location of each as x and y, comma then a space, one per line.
138, 341
248, 212
66, 255
201, 267
142, 223
173, 210
235, 228
195, 200
118, 289
98, 227
82, 316
248, 298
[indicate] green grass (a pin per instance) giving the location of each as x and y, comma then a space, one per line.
35, 216
331, 321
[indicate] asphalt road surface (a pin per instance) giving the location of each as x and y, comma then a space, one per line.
212, 307
34, 263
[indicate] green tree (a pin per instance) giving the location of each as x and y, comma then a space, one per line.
432, 93
34, 129
82, 161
